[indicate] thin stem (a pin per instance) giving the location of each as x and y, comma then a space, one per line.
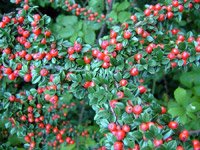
111, 109
103, 28
195, 132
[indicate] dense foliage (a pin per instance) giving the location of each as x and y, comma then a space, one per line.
85, 75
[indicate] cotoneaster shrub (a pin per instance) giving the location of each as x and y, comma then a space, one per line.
44, 79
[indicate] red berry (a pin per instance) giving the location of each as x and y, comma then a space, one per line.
157, 143
126, 128
27, 77
112, 126
134, 72
129, 109
44, 72
147, 12
127, 34
142, 89
137, 109
144, 127
123, 82
118, 145
120, 135
173, 125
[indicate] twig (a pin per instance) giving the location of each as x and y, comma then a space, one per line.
81, 114
153, 86
103, 28
195, 132
113, 112
166, 87
101, 32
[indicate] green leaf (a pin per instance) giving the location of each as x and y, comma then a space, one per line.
123, 16
66, 20
113, 15
89, 36
66, 32
150, 38
36, 79
197, 90
176, 111
68, 147
80, 61
181, 96
122, 6
193, 107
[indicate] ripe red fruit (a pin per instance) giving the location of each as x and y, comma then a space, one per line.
147, 12
7, 71
26, 34
47, 33
27, 45
77, 47
120, 135
2, 24
195, 142
105, 65
133, 18
100, 55
134, 72
26, 7
106, 59
158, 7
104, 44
144, 126
27, 77
170, 15
173, 125
113, 34
119, 46
183, 136
163, 110
118, 145
44, 72
129, 109
120, 94
175, 3
157, 143
87, 60
113, 103
139, 30
185, 55
171, 56
197, 48
137, 109
180, 8
175, 51
112, 126
142, 89
28, 57
37, 31
149, 49
36, 17
27, 138
126, 128
86, 84
58, 136
127, 34
161, 17
6, 19
174, 31
179, 148
137, 57
123, 82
